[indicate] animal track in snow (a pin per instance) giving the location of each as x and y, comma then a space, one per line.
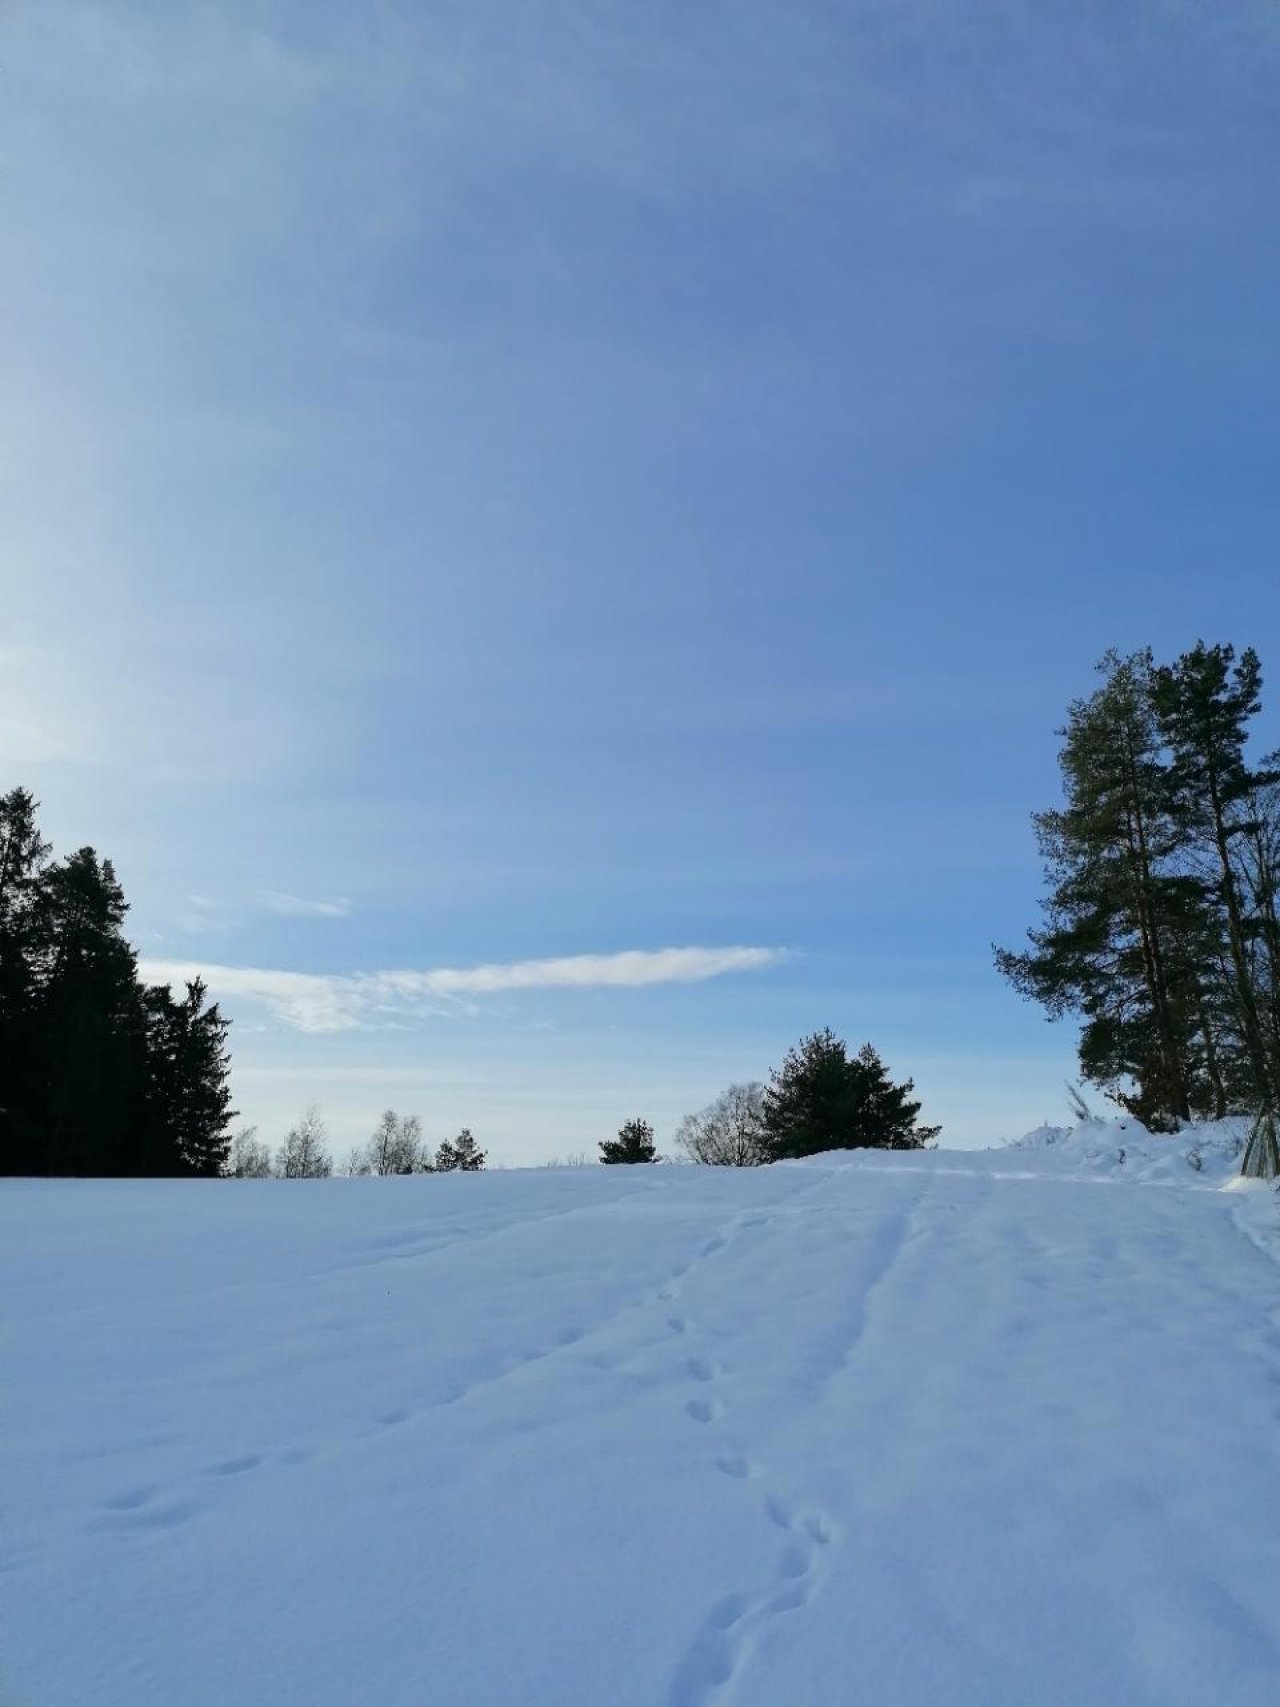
704, 1410
740, 1468
729, 1611
131, 1499
236, 1466
730, 1629
134, 1510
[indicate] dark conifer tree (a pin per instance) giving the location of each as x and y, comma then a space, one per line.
97, 1074
91, 1044
823, 1099
634, 1143
1204, 703
189, 1102
1162, 925
24, 857
463, 1155
1124, 942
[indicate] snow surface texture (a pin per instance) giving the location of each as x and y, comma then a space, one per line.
898, 1430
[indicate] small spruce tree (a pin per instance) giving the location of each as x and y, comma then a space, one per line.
463, 1155
634, 1143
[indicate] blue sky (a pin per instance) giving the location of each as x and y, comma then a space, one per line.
489, 484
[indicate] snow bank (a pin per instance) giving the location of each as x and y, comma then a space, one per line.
1210, 1151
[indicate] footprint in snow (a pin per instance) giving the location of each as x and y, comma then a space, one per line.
236, 1466
704, 1410
740, 1468
729, 1611
131, 1499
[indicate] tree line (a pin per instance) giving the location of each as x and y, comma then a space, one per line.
104, 1075
396, 1146
821, 1098
100, 1074
1161, 921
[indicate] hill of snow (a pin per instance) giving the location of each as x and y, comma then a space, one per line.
990, 1429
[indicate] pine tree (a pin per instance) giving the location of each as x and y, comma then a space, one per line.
24, 858
1124, 942
90, 1047
188, 1096
634, 1143
463, 1155
1162, 923
98, 1076
1204, 704
821, 1099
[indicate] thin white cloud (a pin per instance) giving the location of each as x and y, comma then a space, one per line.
300, 907
322, 1002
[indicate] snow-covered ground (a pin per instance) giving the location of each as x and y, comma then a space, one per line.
997, 1428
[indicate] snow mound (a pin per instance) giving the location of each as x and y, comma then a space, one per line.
1208, 1152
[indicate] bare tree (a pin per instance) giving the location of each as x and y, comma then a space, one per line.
303, 1154
395, 1148
248, 1157
728, 1133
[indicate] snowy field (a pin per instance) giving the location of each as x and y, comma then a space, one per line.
999, 1429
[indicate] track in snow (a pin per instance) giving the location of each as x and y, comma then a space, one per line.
899, 1429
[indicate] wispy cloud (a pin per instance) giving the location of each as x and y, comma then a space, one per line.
320, 1002
301, 907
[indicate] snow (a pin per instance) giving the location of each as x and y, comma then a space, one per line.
975, 1428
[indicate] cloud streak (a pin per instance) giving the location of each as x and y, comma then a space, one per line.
299, 907
353, 1001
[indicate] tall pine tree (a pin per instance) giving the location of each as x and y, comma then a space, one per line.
1123, 940
1162, 928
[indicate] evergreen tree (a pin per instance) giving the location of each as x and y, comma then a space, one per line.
1162, 927
634, 1143
24, 857
1124, 941
1204, 703
188, 1096
97, 1074
90, 1056
823, 1099
463, 1155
